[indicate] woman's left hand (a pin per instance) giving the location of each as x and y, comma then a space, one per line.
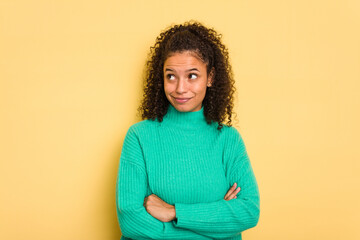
159, 209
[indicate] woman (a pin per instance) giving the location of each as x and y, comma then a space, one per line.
181, 169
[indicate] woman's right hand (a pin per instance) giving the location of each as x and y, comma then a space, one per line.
231, 194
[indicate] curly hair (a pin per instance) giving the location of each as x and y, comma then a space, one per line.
206, 43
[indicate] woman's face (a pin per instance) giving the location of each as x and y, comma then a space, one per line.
185, 81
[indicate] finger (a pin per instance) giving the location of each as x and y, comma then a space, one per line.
230, 190
235, 193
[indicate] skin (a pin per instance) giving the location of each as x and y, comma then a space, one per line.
185, 84
186, 79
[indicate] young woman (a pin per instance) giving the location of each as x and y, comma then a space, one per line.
181, 168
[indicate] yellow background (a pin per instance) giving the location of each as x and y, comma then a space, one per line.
71, 82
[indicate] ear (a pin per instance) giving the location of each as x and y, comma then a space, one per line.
211, 76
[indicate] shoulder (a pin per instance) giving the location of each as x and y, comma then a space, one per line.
230, 132
142, 127
139, 132
232, 136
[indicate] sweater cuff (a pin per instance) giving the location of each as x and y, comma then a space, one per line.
180, 210
189, 215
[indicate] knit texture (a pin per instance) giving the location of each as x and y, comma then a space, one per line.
191, 165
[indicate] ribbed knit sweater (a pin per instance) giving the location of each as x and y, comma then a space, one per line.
189, 164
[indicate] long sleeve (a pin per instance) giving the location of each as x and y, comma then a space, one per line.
222, 218
131, 187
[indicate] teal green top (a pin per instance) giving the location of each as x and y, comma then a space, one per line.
191, 165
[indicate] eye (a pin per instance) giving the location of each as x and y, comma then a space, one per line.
193, 76
170, 76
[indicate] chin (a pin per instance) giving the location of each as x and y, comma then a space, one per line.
182, 108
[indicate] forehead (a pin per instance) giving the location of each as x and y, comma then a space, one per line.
182, 59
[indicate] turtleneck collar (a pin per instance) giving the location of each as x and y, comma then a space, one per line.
184, 120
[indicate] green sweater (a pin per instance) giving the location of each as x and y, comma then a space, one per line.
191, 165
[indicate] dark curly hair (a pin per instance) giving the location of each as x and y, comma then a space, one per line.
206, 43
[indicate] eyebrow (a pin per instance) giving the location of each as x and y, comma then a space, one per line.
189, 70
193, 69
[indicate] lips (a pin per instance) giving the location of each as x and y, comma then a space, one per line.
181, 100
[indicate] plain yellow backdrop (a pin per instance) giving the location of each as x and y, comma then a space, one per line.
71, 81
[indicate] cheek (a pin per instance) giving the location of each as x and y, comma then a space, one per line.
165, 84
200, 88
168, 88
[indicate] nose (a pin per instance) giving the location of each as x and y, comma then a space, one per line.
181, 86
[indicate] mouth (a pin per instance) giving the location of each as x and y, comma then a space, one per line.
181, 100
